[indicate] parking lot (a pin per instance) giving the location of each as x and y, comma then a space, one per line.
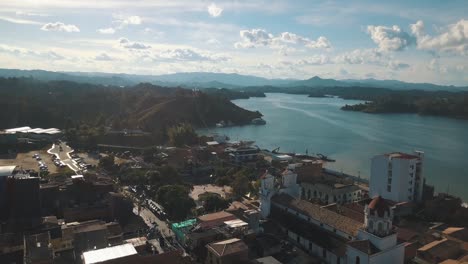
27, 162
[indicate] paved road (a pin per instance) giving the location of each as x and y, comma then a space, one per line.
64, 155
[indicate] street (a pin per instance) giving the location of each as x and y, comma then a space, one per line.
64, 155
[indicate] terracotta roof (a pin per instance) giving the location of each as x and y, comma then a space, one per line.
215, 216
364, 246
328, 217
380, 205
228, 247
457, 232
443, 249
406, 234
314, 233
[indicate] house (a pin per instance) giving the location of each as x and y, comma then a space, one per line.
214, 219
244, 154
439, 250
228, 251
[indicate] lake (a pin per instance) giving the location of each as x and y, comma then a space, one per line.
297, 123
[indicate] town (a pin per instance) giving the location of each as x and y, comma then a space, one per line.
215, 201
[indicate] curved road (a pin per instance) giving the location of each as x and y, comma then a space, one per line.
64, 155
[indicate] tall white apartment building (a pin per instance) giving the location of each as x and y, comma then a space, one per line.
397, 176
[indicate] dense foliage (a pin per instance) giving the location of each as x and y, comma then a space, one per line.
66, 105
213, 202
176, 201
182, 134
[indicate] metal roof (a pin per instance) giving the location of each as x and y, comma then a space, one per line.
101, 255
27, 129
17, 129
235, 223
7, 170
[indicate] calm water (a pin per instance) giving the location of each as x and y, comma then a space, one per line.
296, 123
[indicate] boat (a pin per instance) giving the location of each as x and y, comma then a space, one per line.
258, 121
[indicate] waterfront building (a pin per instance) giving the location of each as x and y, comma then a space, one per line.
333, 236
398, 176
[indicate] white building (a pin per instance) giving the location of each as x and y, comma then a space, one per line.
377, 241
331, 192
397, 176
334, 237
288, 185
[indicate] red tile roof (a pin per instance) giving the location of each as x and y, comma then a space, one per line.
380, 205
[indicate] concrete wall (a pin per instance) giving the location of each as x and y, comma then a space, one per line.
403, 178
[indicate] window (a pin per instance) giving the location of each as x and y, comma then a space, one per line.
324, 253
310, 245
371, 225
308, 194
298, 239
358, 260
389, 188
338, 260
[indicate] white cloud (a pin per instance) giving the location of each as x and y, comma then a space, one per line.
185, 54
214, 10
19, 20
124, 21
22, 13
108, 31
59, 26
260, 37
312, 60
390, 38
103, 57
360, 56
125, 43
27, 53
396, 65
453, 39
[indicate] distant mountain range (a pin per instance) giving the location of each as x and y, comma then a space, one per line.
216, 80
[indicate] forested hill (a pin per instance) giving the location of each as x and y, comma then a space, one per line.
441, 103
64, 104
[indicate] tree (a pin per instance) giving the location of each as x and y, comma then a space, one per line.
149, 154
175, 200
182, 134
107, 162
240, 185
213, 202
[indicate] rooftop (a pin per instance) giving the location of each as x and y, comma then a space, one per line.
401, 155
228, 247
267, 260
215, 216
312, 232
440, 247
7, 170
328, 217
379, 205
457, 233
109, 253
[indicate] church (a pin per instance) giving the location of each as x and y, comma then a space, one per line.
336, 234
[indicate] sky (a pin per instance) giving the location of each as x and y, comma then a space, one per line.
414, 41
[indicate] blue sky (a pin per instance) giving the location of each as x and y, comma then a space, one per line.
416, 41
